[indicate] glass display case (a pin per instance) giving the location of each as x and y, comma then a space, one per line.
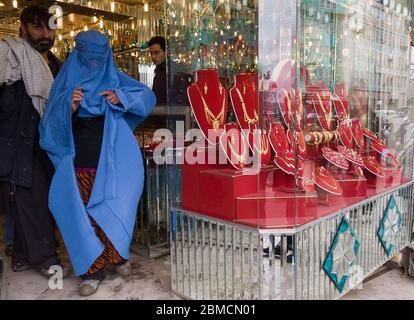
298, 182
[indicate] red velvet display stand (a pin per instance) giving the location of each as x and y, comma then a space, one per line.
209, 101
220, 188
191, 176
276, 209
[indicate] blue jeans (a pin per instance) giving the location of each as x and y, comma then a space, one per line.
9, 228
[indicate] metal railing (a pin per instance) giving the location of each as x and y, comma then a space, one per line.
214, 259
162, 190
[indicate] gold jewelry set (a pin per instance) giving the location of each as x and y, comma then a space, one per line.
214, 121
321, 173
327, 114
344, 134
298, 111
344, 111
247, 118
264, 144
275, 132
375, 164
240, 157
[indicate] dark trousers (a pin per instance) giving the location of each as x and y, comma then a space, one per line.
34, 241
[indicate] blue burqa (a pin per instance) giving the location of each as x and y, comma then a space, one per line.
120, 174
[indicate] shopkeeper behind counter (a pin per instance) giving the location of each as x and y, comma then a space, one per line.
157, 49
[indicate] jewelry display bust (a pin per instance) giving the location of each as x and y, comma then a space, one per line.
235, 146
209, 102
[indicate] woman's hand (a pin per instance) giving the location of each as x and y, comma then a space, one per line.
77, 97
110, 96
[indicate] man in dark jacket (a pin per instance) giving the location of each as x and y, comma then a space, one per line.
158, 55
27, 70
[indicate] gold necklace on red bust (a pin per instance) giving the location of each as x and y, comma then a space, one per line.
326, 114
344, 113
371, 164
277, 137
247, 118
324, 180
345, 135
357, 133
264, 144
214, 121
241, 157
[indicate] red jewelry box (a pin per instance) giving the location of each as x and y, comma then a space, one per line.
329, 199
353, 187
191, 175
220, 188
191, 184
275, 209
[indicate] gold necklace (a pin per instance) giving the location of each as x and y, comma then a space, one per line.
246, 115
348, 138
327, 115
264, 144
320, 171
302, 147
240, 157
375, 164
369, 159
284, 161
275, 133
213, 120
343, 107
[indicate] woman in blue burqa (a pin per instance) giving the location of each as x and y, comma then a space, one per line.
87, 131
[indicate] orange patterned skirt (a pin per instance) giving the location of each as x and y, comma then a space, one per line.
85, 179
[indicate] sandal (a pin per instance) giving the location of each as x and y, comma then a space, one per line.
21, 266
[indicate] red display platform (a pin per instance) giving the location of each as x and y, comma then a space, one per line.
220, 188
375, 182
353, 187
198, 157
329, 199
276, 209
191, 184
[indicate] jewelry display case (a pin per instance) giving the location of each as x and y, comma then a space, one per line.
295, 157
